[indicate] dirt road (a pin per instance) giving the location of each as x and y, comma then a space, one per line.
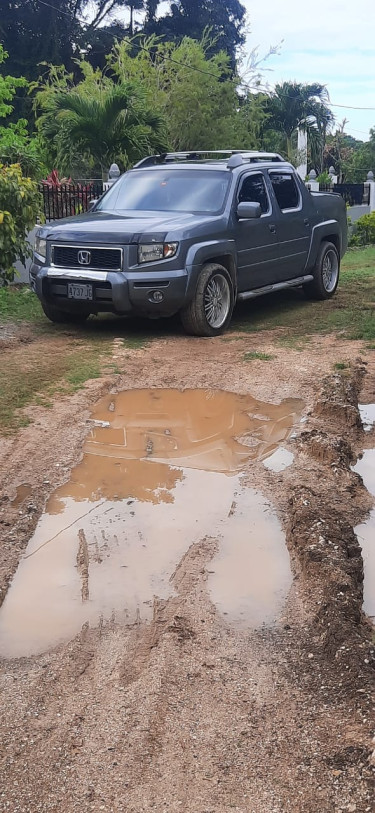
170, 688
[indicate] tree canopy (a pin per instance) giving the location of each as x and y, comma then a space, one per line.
292, 105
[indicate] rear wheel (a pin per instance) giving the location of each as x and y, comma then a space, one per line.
61, 317
210, 310
326, 273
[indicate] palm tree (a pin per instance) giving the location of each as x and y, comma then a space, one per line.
293, 105
109, 123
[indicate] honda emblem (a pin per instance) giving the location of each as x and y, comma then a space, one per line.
84, 257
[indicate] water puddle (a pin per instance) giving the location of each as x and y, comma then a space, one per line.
367, 413
161, 470
250, 577
23, 492
365, 466
279, 460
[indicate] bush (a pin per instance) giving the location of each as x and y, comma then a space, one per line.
363, 231
20, 205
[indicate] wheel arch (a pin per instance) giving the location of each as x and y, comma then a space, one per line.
332, 238
326, 232
227, 261
222, 252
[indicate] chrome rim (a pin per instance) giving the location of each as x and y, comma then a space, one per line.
330, 271
217, 301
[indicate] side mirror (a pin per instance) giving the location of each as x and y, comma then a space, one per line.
92, 204
248, 210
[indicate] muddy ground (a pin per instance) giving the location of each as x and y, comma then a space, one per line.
189, 710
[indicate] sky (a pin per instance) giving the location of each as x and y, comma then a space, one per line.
329, 41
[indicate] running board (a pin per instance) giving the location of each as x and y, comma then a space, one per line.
278, 286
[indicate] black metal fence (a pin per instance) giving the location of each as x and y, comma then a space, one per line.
65, 200
354, 194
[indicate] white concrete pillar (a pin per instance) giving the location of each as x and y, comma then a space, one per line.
371, 183
311, 182
302, 153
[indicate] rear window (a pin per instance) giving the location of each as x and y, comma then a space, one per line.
285, 189
168, 190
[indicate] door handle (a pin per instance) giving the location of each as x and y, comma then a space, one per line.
272, 228
306, 221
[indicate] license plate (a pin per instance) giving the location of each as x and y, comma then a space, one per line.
78, 291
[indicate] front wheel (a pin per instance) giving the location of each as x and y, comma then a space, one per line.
210, 310
326, 273
63, 317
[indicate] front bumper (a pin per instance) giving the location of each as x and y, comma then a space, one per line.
113, 291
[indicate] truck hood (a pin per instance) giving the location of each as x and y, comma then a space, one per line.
108, 227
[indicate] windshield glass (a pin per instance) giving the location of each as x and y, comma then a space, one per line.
173, 190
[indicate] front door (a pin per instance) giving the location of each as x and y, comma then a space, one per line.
256, 240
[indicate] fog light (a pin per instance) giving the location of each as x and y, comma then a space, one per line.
157, 296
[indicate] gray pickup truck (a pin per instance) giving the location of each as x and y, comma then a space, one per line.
191, 233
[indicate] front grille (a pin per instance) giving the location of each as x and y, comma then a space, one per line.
86, 257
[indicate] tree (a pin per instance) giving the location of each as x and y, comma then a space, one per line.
191, 18
292, 105
33, 32
18, 147
199, 103
102, 120
8, 87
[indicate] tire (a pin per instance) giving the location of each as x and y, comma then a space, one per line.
326, 273
210, 310
60, 317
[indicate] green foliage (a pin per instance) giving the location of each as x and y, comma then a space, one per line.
8, 87
18, 147
292, 105
191, 18
200, 107
351, 158
19, 208
324, 178
103, 120
364, 231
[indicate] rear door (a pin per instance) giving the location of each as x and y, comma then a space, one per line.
293, 224
257, 248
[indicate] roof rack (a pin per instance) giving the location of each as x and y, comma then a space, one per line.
232, 157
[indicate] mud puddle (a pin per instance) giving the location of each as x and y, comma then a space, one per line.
279, 460
23, 492
365, 466
160, 470
367, 413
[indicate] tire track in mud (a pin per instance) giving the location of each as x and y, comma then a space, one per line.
211, 718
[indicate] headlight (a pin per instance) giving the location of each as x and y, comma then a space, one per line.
151, 252
40, 247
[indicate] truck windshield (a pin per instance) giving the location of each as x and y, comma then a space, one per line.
168, 190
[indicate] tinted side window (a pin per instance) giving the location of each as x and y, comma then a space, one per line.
285, 189
253, 190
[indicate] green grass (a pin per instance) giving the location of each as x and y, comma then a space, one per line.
35, 373
351, 312
136, 342
255, 355
19, 304
56, 360
341, 365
